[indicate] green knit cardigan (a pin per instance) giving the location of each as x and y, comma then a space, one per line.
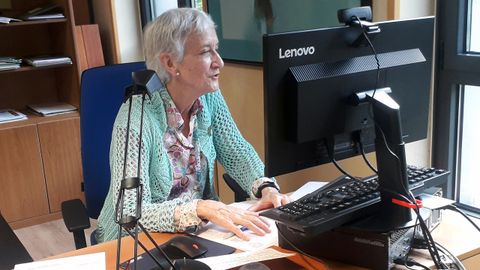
218, 138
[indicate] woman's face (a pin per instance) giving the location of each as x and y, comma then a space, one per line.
200, 69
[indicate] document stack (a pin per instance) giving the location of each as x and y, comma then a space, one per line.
6, 20
9, 115
51, 11
8, 63
43, 61
48, 109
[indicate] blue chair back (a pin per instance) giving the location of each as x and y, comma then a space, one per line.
102, 93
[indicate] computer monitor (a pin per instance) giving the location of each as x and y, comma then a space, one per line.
312, 79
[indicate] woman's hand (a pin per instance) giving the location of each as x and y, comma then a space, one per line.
270, 198
231, 217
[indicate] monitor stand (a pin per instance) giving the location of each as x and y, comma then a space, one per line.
385, 235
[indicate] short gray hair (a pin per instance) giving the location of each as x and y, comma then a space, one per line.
168, 33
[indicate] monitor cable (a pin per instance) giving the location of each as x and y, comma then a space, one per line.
370, 44
330, 145
406, 262
429, 242
456, 209
359, 141
362, 150
455, 262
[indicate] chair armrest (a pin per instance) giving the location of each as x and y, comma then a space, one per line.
75, 215
76, 220
240, 194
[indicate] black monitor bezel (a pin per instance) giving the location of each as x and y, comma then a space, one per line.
282, 153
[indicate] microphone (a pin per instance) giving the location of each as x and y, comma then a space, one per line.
145, 83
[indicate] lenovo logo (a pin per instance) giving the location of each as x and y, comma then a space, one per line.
288, 53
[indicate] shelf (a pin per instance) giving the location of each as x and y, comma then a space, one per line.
30, 68
34, 119
50, 145
27, 23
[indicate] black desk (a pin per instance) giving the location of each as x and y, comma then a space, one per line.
11, 249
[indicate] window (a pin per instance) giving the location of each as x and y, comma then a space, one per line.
474, 27
468, 180
456, 133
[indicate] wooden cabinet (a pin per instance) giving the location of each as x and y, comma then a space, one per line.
39, 157
22, 180
60, 142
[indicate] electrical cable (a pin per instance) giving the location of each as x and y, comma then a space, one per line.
362, 150
341, 169
330, 152
455, 261
410, 246
454, 208
433, 250
431, 247
370, 44
414, 263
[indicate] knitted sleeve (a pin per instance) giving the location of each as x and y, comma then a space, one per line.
237, 156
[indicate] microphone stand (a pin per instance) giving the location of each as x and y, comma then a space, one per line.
145, 82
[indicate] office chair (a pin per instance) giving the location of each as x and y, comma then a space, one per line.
102, 92
240, 195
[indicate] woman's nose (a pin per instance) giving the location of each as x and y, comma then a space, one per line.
218, 61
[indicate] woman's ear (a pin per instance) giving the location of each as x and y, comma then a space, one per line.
167, 61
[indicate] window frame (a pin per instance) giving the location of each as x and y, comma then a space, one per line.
455, 67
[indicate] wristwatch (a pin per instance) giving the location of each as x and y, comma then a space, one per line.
265, 185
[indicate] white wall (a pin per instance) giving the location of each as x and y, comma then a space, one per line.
127, 20
129, 29
419, 153
379, 9
416, 8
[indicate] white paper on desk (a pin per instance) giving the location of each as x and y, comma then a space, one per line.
221, 235
94, 261
242, 258
307, 188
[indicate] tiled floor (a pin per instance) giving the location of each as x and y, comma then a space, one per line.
48, 239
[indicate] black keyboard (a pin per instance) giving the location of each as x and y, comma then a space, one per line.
344, 200
421, 178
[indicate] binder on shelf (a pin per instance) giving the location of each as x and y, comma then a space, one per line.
8, 63
7, 20
9, 115
50, 11
43, 61
8, 66
53, 108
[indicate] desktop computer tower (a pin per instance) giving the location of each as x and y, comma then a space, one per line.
372, 250
358, 244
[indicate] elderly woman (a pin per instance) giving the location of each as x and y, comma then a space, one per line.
187, 126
